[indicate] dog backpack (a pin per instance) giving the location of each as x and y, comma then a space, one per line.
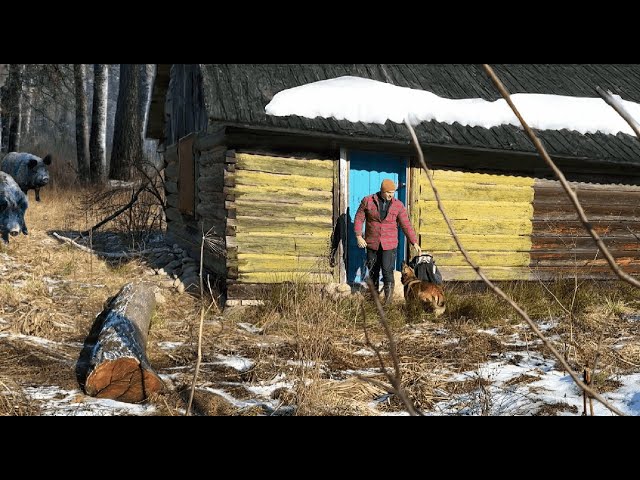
424, 266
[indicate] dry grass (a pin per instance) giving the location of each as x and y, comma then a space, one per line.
630, 354
320, 337
549, 410
53, 291
298, 312
13, 401
50, 273
333, 398
553, 299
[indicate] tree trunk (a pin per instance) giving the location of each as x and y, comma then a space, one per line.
4, 119
27, 108
98, 140
127, 136
147, 71
113, 362
14, 85
82, 127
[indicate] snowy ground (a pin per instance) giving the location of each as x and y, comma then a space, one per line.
518, 382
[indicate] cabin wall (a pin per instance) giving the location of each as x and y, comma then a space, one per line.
283, 216
185, 110
491, 214
561, 245
520, 228
194, 185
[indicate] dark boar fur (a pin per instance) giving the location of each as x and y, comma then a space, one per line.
13, 205
29, 171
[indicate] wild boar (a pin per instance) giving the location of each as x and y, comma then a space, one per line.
13, 205
29, 171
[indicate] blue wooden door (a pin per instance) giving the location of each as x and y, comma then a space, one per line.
366, 172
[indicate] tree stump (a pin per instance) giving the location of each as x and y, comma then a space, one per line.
113, 362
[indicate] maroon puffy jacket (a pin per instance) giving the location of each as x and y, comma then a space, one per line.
384, 232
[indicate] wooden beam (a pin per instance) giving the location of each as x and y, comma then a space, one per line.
204, 142
440, 156
344, 204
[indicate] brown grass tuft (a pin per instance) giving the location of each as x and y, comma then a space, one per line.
337, 398
13, 401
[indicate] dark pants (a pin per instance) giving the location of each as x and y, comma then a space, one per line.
385, 259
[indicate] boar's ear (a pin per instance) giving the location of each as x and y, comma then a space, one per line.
47, 160
33, 162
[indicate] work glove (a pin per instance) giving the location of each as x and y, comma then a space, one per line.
362, 243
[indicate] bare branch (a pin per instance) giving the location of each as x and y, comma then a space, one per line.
153, 188
118, 212
495, 288
618, 107
109, 254
563, 181
396, 379
200, 328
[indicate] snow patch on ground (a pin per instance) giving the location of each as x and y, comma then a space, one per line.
59, 402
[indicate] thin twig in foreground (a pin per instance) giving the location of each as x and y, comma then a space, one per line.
495, 288
396, 379
608, 97
201, 327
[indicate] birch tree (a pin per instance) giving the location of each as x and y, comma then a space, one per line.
98, 138
147, 71
82, 127
4, 119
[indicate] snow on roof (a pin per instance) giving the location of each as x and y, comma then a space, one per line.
359, 99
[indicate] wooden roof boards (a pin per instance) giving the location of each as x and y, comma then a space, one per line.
236, 94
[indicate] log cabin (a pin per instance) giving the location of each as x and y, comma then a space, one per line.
278, 195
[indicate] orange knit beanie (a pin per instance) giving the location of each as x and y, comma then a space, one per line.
388, 186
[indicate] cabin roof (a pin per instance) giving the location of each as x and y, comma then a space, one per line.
236, 94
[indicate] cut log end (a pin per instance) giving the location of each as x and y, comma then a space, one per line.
124, 380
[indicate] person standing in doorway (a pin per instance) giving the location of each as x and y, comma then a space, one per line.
383, 213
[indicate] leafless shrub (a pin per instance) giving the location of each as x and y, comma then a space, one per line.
135, 210
216, 245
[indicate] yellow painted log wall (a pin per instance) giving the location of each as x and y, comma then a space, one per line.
492, 214
284, 216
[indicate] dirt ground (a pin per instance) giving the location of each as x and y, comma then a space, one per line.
299, 353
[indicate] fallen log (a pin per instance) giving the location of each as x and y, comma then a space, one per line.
113, 362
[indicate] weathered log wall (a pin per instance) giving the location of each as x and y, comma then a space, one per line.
491, 214
561, 245
522, 228
204, 185
281, 219
185, 110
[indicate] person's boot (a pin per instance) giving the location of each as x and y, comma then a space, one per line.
388, 293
